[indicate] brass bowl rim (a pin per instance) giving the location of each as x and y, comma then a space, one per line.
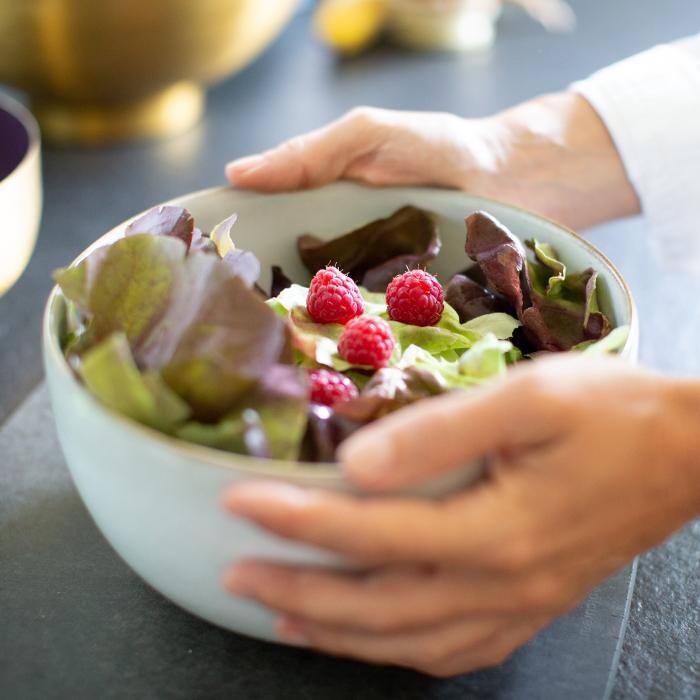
26, 119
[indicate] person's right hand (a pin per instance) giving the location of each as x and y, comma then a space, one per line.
552, 155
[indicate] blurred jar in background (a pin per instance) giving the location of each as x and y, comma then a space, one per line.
461, 25
350, 26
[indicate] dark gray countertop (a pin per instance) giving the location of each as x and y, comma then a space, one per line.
57, 574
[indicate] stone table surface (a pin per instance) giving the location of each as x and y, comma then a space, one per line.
75, 622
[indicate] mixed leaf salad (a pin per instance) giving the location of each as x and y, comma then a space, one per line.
169, 327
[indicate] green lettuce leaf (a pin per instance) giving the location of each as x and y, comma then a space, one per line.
187, 317
612, 342
221, 235
242, 434
269, 421
487, 358
125, 287
111, 375
499, 324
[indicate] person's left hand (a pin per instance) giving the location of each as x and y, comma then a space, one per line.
593, 462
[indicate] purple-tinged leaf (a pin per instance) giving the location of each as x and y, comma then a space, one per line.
325, 431
375, 253
388, 390
471, 300
501, 257
201, 243
243, 264
280, 281
557, 310
165, 220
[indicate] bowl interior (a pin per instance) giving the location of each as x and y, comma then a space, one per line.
269, 225
14, 142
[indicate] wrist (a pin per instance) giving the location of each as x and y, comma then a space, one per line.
563, 163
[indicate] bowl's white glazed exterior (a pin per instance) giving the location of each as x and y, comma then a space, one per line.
158, 500
20, 191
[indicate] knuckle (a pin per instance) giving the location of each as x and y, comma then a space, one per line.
431, 659
362, 115
295, 146
541, 592
514, 557
296, 152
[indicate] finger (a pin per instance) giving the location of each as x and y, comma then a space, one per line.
364, 530
475, 527
311, 160
425, 649
492, 651
386, 600
439, 434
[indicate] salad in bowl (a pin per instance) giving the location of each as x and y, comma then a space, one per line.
180, 363
169, 326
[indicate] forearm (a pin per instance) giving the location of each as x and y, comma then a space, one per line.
558, 159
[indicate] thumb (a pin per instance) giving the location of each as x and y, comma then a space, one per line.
311, 160
436, 435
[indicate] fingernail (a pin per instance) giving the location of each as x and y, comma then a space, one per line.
290, 632
244, 165
366, 458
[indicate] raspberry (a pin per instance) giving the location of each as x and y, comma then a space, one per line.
367, 341
329, 387
333, 297
416, 298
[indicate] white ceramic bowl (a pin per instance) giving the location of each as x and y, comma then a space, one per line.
20, 189
158, 500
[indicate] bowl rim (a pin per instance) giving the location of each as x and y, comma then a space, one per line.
16, 109
328, 472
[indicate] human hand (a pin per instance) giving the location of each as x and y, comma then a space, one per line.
592, 462
552, 155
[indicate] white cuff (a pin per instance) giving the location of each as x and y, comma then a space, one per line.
650, 104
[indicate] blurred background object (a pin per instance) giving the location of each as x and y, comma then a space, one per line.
107, 69
460, 25
20, 189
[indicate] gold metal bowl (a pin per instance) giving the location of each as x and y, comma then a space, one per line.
104, 69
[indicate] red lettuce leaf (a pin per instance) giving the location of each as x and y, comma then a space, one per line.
557, 310
373, 254
231, 341
244, 264
500, 256
280, 281
388, 390
164, 221
469, 299
325, 430
201, 243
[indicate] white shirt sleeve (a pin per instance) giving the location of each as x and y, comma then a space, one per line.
650, 103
